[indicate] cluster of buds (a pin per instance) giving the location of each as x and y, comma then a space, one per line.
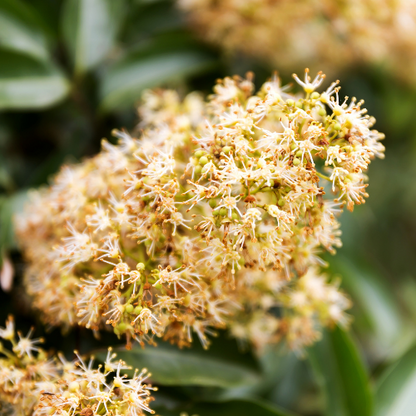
213, 218
332, 34
31, 383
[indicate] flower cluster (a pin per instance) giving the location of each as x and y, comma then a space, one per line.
331, 34
33, 384
213, 218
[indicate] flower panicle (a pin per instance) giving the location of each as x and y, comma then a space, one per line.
211, 218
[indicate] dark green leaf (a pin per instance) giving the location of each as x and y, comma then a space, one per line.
171, 366
152, 66
27, 83
90, 28
228, 408
375, 302
341, 374
9, 207
396, 391
21, 30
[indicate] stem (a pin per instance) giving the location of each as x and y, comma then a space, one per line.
323, 176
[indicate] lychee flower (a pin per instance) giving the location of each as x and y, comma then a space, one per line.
210, 219
315, 33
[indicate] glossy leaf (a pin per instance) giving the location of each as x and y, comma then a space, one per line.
21, 30
341, 374
171, 366
90, 28
228, 408
375, 302
149, 67
396, 391
27, 83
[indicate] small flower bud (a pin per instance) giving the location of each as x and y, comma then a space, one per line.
203, 161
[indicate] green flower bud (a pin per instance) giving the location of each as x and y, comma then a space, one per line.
296, 161
121, 327
203, 161
129, 308
137, 310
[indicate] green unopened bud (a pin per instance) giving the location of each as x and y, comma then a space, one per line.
281, 202
322, 112
296, 161
223, 212
315, 95
129, 308
213, 203
290, 102
337, 126
137, 310
198, 170
203, 161
226, 150
234, 216
299, 153
199, 153
121, 327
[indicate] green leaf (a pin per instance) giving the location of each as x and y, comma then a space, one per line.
151, 66
228, 408
27, 83
341, 374
375, 302
396, 390
171, 366
21, 30
90, 28
10, 206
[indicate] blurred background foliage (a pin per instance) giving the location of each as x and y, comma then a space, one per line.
72, 70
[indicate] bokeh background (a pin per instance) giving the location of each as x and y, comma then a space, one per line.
71, 71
